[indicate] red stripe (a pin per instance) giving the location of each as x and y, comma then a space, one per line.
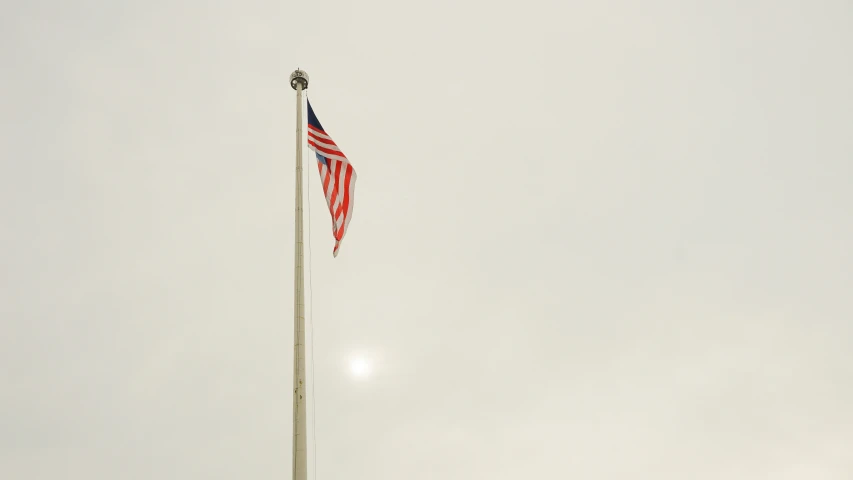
335, 174
345, 204
313, 134
312, 128
315, 138
343, 192
342, 187
327, 151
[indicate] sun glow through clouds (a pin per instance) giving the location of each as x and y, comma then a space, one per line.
359, 367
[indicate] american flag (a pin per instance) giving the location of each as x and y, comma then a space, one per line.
337, 175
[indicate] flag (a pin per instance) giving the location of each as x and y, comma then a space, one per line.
336, 174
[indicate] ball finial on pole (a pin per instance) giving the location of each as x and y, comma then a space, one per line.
299, 77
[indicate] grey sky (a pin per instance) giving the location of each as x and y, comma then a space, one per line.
596, 240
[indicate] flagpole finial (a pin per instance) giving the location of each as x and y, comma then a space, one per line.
299, 77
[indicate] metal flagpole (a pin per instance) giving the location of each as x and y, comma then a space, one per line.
299, 82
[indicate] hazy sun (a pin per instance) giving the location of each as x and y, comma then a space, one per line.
359, 367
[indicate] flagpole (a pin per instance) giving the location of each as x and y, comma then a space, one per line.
299, 82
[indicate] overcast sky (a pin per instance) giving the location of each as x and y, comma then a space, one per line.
597, 240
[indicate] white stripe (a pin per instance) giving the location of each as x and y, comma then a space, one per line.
328, 191
314, 131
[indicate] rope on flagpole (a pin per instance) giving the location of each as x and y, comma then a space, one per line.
311, 322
